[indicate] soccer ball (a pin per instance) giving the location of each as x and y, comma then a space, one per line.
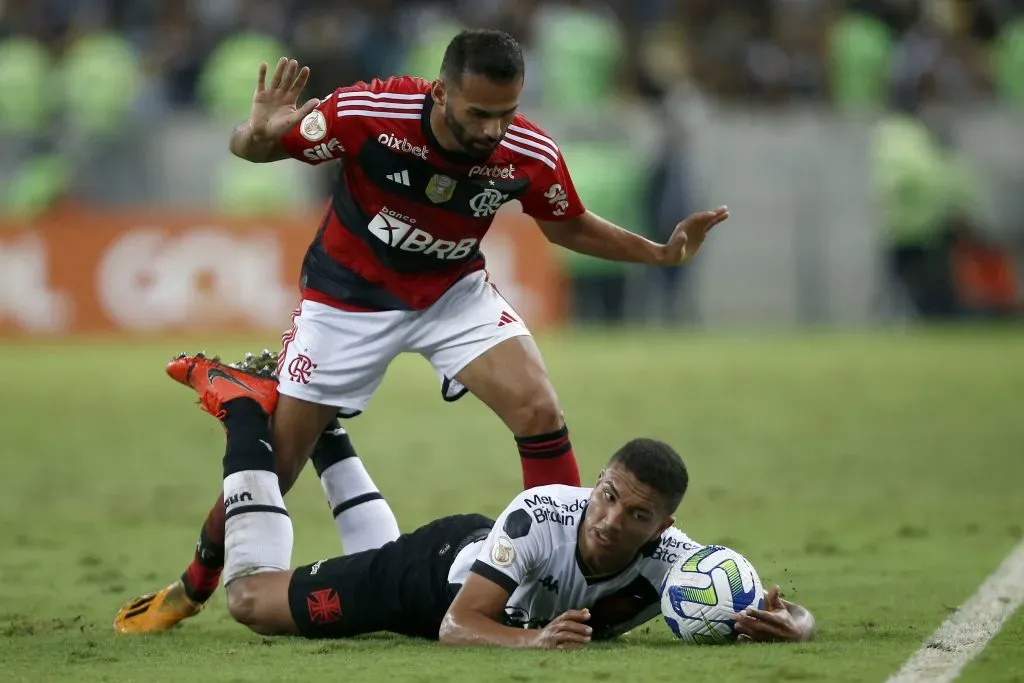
703, 590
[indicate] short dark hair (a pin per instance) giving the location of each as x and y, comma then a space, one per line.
493, 54
655, 464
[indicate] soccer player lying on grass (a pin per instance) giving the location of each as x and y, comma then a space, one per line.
570, 564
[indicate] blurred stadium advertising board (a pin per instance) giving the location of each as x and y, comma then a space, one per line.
152, 271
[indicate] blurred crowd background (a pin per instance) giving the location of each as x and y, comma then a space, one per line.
872, 151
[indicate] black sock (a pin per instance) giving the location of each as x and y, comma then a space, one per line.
248, 437
334, 445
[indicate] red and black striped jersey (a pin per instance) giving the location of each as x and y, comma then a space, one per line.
406, 216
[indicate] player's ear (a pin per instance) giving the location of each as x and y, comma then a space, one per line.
437, 92
666, 523
600, 476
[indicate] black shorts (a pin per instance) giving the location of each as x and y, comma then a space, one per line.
400, 587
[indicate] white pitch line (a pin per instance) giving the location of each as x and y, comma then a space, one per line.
945, 653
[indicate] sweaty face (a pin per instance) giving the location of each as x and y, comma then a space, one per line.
477, 112
623, 515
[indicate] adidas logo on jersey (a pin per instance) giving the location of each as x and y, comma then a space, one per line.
324, 151
397, 230
401, 178
402, 145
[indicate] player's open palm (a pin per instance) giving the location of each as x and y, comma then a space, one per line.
274, 110
689, 235
567, 631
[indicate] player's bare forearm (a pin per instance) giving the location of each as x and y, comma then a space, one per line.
469, 627
472, 618
244, 144
592, 235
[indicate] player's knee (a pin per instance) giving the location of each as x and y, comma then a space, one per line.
242, 600
243, 605
539, 413
294, 429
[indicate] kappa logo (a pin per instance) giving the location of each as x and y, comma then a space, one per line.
487, 202
324, 151
402, 145
550, 583
500, 172
398, 230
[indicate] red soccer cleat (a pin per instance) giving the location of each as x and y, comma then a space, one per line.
217, 383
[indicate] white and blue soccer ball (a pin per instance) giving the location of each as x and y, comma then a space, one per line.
703, 590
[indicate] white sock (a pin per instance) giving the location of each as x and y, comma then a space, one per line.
364, 519
258, 533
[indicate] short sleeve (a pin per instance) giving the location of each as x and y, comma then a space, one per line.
514, 548
552, 195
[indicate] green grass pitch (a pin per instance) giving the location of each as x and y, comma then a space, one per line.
876, 477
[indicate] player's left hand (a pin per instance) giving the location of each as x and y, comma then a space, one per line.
773, 623
689, 235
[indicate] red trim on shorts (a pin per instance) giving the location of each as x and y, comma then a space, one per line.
287, 338
511, 308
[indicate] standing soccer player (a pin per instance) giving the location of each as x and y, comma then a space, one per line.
395, 267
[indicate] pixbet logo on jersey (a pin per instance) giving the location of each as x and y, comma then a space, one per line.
397, 230
401, 145
502, 172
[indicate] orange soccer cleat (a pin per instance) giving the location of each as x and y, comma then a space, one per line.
217, 383
156, 611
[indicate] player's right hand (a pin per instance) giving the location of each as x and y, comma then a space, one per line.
274, 110
568, 631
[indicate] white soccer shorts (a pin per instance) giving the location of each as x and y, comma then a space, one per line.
338, 358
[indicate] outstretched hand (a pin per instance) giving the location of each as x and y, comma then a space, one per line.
689, 235
274, 110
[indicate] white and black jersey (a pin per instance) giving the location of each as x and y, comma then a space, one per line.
407, 585
532, 551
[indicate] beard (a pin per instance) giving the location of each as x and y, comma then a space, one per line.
470, 144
